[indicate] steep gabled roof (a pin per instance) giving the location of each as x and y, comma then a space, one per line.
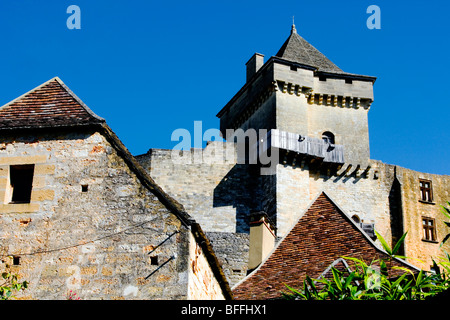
297, 49
51, 104
322, 236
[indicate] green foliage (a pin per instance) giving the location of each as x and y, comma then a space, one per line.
10, 284
372, 281
392, 252
446, 212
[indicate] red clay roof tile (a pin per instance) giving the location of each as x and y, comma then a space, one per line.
51, 104
321, 236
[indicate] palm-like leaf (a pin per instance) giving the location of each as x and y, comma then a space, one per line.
384, 243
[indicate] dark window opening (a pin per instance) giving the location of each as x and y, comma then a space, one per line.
154, 260
328, 137
376, 175
426, 193
349, 81
322, 78
84, 188
429, 229
16, 261
293, 68
21, 179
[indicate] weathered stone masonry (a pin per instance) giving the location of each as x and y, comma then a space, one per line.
107, 225
96, 224
299, 93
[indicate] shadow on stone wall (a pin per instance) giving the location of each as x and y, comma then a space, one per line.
396, 211
240, 189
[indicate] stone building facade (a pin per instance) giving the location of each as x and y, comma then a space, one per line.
314, 117
78, 213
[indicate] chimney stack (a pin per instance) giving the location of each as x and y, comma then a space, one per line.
262, 239
254, 64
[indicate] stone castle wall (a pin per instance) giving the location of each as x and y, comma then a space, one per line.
414, 210
372, 198
232, 250
218, 193
213, 188
363, 196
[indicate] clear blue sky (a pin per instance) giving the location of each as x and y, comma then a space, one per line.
150, 67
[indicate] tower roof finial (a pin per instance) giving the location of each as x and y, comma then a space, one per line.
293, 30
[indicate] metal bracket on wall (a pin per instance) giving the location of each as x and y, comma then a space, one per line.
163, 241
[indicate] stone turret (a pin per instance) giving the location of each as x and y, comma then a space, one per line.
301, 92
309, 112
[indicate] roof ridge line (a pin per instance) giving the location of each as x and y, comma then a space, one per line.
275, 247
362, 231
65, 87
30, 91
77, 99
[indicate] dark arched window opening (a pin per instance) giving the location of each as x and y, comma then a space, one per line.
356, 219
328, 137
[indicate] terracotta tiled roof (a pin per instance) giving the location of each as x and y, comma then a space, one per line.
320, 238
51, 104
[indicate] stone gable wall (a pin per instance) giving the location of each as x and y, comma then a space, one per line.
202, 283
95, 243
232, 251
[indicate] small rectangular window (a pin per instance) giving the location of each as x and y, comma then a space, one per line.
322, 78
429, 229
348, 81
84, 188
426, 192
293, 68
21, 183
16, 261
154, 260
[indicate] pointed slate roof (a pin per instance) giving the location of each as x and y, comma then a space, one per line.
319, 239
297, 49
51, 104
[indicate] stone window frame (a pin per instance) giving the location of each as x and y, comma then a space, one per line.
40, 190
425, 192
429, 232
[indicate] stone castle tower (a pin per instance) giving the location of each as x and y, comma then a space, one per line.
78, 211
314, 117
316, 114
312, 98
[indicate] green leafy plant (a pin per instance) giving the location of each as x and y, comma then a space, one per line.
446, 212
10, 284
373, 281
